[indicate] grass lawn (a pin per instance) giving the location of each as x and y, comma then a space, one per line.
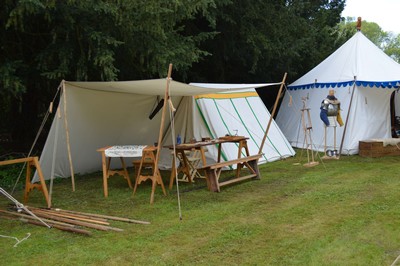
340, 212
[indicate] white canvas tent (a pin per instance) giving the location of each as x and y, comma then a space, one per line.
363, 78
99, 114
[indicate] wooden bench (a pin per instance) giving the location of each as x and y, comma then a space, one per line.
213, 171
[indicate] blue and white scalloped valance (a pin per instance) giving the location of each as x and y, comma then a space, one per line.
371, 84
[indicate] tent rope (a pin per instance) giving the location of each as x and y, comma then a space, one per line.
49, 111
295, 107
21, 207
58, 117
172, 119
16, 239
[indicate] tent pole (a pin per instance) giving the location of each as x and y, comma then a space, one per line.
273, 113
166, 95
347, 117
67, 135
58, 117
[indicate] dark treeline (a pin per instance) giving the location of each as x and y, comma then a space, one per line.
231, 41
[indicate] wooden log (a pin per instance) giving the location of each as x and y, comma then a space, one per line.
77, 214
115, 218
26, 216
59, 227
71, 216
74, 214
76, 222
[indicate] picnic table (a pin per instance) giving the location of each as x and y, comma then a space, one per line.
213, 171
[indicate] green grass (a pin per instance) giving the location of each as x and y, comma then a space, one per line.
341, 212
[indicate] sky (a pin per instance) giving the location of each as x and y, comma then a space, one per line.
383, 12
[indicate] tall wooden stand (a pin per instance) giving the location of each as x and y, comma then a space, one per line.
29, 186
307, 128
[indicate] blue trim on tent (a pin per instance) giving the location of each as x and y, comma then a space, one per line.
379, 84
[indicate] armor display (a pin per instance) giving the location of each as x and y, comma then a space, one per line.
330, 106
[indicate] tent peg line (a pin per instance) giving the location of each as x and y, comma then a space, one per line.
49, 111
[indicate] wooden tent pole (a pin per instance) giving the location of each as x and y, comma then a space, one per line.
347, 117
67, 136
273, 113
166, 95
156, 177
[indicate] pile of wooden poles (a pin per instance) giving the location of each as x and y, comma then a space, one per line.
71, 221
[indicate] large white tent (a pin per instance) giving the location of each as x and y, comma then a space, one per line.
363, 78
99, 114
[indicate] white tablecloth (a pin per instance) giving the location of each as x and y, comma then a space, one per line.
125, 151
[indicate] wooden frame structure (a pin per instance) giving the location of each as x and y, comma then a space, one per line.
29, 186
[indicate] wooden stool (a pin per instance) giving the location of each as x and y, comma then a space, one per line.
148, 158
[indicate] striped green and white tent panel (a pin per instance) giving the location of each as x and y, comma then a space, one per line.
239, 113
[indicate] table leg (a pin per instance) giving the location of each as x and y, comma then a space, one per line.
186, 167
126, 175
242, 145
105, 176
219, 152
173, 173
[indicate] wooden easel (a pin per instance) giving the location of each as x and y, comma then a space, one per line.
149, 159
307, 128
29, 186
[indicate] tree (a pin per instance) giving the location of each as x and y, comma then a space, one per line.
393, 48
387, 41
347, 28
259, 40
43, 42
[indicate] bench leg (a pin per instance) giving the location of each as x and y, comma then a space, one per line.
212, 180
254, 165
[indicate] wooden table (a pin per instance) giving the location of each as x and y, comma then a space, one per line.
107, 154
213, 171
